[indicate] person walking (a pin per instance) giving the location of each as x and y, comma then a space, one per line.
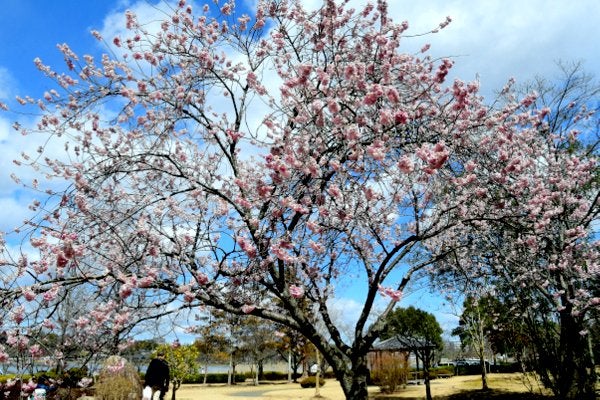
157, 375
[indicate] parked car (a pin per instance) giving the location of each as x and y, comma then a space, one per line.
466, 361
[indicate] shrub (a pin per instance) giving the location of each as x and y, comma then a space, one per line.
73, 376
506, 367
274, 376
116, 388
9, 377
311, 382
69, 393
449, 370
12, 390
468, 369
391, 372
214, 378
329, 374
118, 380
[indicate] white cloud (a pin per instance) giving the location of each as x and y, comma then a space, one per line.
14, 145
15, 199
344, 312
6, 84
4, 129
148, 15
499, 39
495, 39
14, 211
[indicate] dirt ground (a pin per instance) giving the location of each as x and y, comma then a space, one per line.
503, 386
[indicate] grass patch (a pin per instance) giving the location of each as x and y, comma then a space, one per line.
503, 382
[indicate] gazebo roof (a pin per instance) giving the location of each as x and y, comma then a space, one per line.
396, 343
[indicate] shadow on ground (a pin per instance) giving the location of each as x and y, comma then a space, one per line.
494, 394
475, 395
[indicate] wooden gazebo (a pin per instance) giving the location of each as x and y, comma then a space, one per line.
395, 350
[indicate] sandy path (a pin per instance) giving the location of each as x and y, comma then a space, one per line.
332, 390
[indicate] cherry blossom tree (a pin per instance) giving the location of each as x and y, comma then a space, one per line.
541, 259
255, 163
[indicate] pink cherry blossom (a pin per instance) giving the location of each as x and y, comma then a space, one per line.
35, 351
244, 167
248, 308
296, 291
395, 295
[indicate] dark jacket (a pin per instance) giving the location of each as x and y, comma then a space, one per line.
157, 374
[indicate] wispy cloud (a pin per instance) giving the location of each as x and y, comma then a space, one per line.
499, 39
7, 83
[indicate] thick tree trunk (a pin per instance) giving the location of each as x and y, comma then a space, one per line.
354, 380
576, 376
304, 367
260, 371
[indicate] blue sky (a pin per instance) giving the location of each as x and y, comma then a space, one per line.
33, 28
492, 39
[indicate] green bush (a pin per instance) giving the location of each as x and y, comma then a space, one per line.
469, 369
445, 371
311, 382
275, 376
449, 370
8, 377
506, 367
214, 378
69, 378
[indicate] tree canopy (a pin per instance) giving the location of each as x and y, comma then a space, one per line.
255, 163
414, 325
419, 332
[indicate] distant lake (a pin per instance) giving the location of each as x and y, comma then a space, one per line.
8, 368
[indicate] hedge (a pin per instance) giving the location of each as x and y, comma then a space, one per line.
311, 382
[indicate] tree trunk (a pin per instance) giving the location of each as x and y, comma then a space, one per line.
289, 366
484, 382
318, 374
261, 371
426, 365
481, 353
577, 375
205, 370
354, 379
304, 367
175, 386
231, 371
